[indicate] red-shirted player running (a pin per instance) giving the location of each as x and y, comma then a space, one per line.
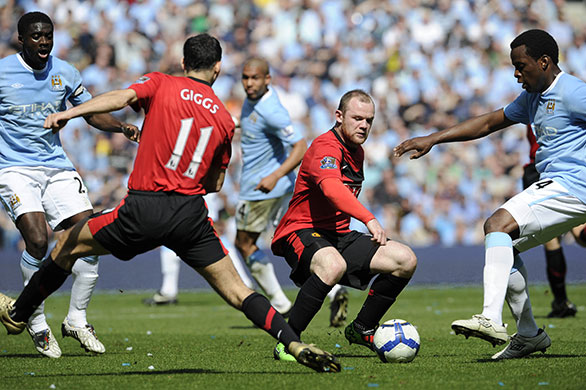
314, 234
183, 154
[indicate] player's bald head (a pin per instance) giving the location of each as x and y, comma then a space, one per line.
257, 62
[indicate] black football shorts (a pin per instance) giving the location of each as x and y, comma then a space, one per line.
356, 248
145, 220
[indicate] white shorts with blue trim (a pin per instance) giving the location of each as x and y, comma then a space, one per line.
58, 193
543, 211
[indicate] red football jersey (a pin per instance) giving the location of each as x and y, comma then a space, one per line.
533, 145
186, 131
327, 157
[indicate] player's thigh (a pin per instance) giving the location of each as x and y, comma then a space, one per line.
224, 279
395, 258
64, 197
255, 215
544, 211
21, 191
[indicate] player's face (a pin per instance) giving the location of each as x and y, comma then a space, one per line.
255, 82
356, 121
37, 43
529, 72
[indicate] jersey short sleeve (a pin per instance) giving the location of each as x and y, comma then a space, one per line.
577, 102
78, 94
145, 87
518, 110
324, 162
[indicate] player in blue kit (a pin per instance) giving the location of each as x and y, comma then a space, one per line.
271, 149
554, 104
38, 183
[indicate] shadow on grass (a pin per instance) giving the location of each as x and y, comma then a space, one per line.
535, 356
181, 371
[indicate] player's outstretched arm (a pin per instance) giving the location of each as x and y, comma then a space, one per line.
470, 129
108, 102
269, 182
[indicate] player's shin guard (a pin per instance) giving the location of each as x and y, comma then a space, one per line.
497, 267
309, 300
258, 309
42, 284
556, 273
28, 266
518, 300
85, 276
381, 296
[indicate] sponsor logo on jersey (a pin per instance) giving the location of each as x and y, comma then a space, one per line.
550, 106
56, 83
328, 163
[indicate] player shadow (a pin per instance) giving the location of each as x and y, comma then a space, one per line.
351, 355
534, 356
243, 327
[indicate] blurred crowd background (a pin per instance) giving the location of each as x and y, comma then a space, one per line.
428, 64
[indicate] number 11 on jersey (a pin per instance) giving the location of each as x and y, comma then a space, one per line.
202, 143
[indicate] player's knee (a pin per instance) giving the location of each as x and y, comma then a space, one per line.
406, 261
37, 246
329, 269
492, 225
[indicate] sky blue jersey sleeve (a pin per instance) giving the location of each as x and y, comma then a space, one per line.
518, 110
577, 103
279, 123
78, 92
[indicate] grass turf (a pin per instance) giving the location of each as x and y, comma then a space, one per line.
203, 343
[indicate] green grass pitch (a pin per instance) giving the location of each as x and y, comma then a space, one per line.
201, 343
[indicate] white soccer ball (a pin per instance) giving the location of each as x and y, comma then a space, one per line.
396, 341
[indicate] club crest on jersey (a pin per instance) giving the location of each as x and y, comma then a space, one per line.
252, 117
56, 84
328, 163
315, 234
550, 106
14, 201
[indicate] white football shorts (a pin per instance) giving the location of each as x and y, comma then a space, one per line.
543, 211
256, 215
58, 193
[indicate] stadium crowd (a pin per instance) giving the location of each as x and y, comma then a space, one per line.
428, 64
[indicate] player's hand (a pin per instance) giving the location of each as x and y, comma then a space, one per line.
131, 132
377, 231
421, 145
56, 121
267, 183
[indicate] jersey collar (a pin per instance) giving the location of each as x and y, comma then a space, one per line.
554, 82
349, 147
199, 81
28, 67
268, 93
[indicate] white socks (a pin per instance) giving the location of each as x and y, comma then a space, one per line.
264, 274
85, 276
497, 267
170, 266
28, 266
518, 300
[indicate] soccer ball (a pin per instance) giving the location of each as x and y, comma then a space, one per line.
396, 341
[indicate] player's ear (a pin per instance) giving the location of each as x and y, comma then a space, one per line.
217, 67
183, 64
339, 116
544, 62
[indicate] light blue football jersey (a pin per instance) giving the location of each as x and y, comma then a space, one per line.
558, 119
27, 96
267, 137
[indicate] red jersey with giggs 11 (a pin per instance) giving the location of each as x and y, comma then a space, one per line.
186, 131
327, 157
